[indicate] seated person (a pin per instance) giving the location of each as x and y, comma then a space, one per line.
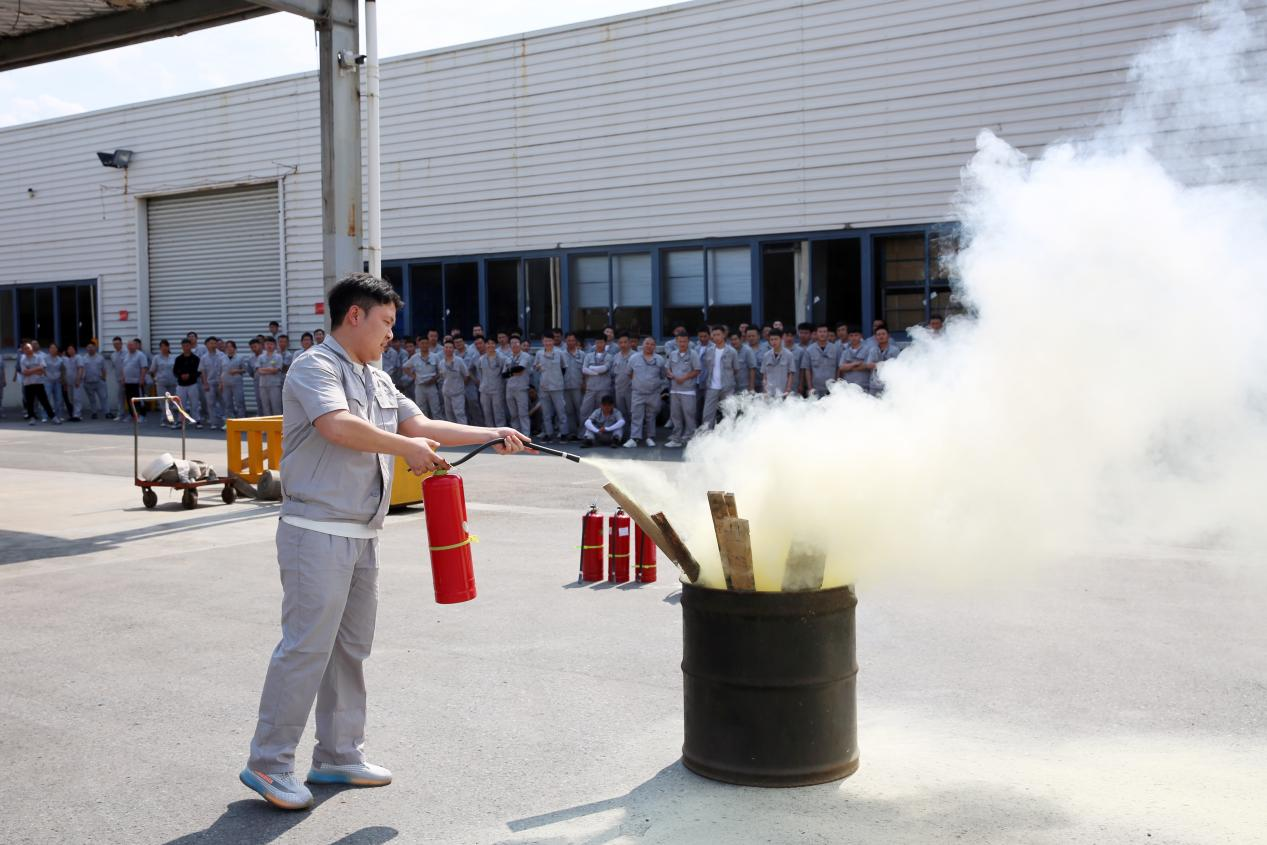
606, 425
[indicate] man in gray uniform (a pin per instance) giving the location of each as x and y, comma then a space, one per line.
884, 349
852, 365
453, 384
721, 374
135, 365
164, 375
214, 363
94, 373
683, 368
573, 382
820, 361
234, 381
596, 369
646, 380
55, 380
747, 362
517, 384
622, 385
489, 369
605, 425
343, 422
778, 367
117, 356
269, 367
422, 366
550, 364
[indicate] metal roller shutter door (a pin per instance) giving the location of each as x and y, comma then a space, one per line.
214, 264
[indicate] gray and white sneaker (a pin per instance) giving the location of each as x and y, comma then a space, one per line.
651, 442
352, 774
281, 790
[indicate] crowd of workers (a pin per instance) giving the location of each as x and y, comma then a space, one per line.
610, 389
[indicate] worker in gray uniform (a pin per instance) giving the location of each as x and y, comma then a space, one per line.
93, 375
406, 380
269, 367
288, 355
425, 373
721, 374
453, 383
551, 367
683, 368
573, 383
214, 363
234, 381
253, 369
820, 361
470, 354
492, 387
883, 349
622, 385
117, 354
778, 367
852, 362
164, 375
518, 380
646, 381
136, 365
605, 425
55, 380
344, 424
747, 362
597, 378
756, 352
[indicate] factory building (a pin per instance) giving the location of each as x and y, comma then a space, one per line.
716, 160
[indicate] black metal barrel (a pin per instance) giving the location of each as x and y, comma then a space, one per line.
770, 682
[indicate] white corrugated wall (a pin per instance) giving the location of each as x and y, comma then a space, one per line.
719, 117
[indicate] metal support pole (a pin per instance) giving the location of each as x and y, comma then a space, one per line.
340, 143
373, 202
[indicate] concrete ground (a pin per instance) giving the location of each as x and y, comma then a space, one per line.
1118, 698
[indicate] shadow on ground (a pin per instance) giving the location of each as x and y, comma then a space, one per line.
22, 546
253, 822
678, 806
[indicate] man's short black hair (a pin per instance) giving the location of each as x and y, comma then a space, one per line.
213, 337
805, 327
516, 336
274, 323
840, 326
112, 340
776, 332
280, 336
164, 342
607, 400
721, 327
185, 340
362, 290
622, 334
932, 317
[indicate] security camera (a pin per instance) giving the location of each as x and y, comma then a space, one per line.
351, 60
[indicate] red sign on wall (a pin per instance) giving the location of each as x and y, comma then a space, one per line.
123, 315
319, 308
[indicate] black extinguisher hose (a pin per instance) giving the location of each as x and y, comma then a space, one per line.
543, 449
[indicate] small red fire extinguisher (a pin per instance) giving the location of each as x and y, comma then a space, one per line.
618, 547
644, 556
591, 546
452, 569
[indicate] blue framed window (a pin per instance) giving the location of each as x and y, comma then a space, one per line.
61, 312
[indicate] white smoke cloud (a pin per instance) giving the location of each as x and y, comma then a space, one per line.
1111, 386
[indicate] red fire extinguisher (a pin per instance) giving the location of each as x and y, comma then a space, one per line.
618, 547
452, 569
644, 556
591, 546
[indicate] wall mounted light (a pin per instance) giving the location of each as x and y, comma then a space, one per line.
119, 158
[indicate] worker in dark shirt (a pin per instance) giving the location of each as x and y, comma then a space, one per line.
188, 376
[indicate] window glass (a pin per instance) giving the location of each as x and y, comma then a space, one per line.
730, 286
8, 324
900, 280
87, 314
631, 289
461, 297
426, 298
503, 295
590, 293
684, 289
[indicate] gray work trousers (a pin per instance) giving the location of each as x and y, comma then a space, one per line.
270, 400
554, 415
329, 603
624, 400
213, 406
712, 404
572, 398
517, 406
190, 397
121, 399
682, 412
235, 398
455, 407
645, 409
427, 397
95, 394
494, 407
474, 413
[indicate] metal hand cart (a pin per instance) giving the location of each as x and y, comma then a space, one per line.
189, 498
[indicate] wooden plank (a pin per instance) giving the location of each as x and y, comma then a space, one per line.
731, 508
675, 548
721, 512
805, 566
636, 513
738, 550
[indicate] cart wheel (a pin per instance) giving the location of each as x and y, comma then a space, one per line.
229, 494
149, 498
189, 500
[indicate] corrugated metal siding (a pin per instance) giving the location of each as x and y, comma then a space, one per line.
214, 264
713, 118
